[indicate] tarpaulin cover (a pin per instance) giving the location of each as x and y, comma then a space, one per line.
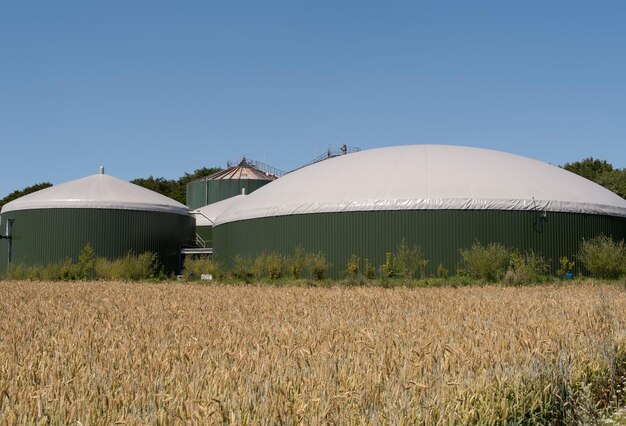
427, 177
97, 191
205, 216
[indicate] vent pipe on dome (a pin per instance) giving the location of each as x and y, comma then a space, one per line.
101, 170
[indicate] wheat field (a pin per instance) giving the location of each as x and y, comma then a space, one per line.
107, 352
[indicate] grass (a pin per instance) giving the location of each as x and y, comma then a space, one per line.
106, 352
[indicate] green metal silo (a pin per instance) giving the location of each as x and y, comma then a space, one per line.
246, 176
114, 216
441, 198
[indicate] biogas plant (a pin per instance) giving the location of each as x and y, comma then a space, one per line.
364, 203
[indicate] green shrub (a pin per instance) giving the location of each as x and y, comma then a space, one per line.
61, 271
388, 269
85, 269
275, 266
243, 268
64, 270
485, 263
143, 266
423, 263
353, 268
194, 268
270, 266
298, 263
131, 267
565, 266
319, 265
369, 270
526, 269
259, 266
403, 262
88, 267
20, 272
406, 260
442, 271
603, 257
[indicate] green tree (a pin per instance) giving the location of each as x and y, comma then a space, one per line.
199, 173
160, 185
589, 168
175, 189
615, 181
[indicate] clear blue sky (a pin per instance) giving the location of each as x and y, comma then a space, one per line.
162, 88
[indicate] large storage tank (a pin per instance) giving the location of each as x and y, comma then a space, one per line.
442, 198
245, 176
112, 215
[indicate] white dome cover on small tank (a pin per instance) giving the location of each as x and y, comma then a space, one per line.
98, 191
427, 177
205, 216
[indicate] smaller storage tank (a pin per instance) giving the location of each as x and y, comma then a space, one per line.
246, 175
114, 216
205, 218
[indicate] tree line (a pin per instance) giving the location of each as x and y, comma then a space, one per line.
598, 171
176, 189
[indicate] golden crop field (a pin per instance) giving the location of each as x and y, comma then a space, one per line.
106, 352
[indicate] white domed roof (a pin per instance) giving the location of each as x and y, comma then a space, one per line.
205, 216
97, 192
427, 177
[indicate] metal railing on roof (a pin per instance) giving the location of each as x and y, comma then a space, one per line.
332, 152
265, 168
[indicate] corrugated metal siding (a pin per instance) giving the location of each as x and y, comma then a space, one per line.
440, 234
4, 245
196, 194
222, 189
51, 235
201, 193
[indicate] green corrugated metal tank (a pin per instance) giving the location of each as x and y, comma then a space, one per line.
227, 183
114, 216
442, 198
